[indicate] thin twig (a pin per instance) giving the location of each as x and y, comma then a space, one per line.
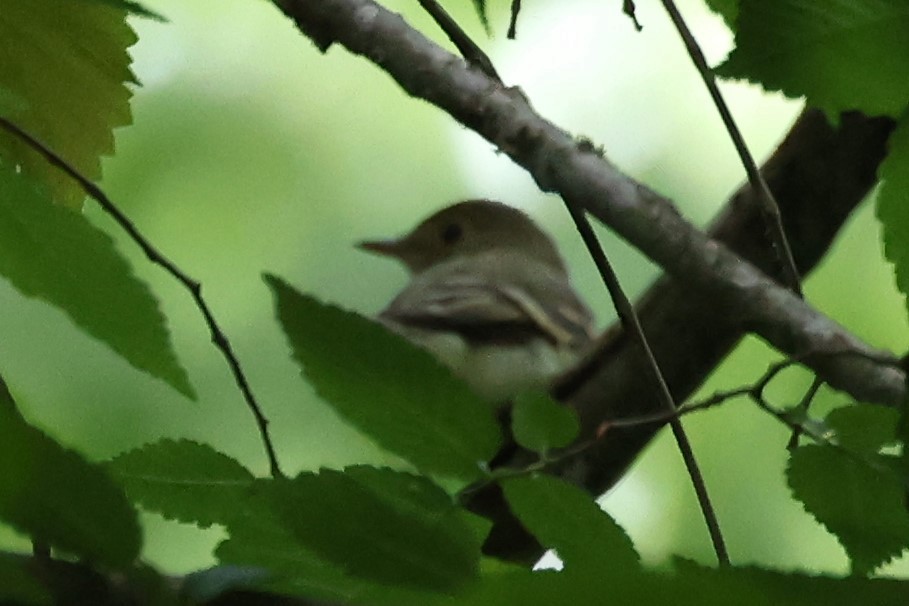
467, 47
665, 416
769, 208
219, 338
803, 406
513, 21
630, 322
630, 11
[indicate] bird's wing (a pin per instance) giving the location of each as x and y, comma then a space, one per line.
481, 310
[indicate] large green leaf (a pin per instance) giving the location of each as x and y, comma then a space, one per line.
184, 480
56, 255
861, 500
840, 54
66, 64
539, 423
893, 204
389, 389
863, 429
18, 585
57, 497
381, 525
565, 518
689, 586
728, 9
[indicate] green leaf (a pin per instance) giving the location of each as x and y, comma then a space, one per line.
893, 204
480, 7
56, 255
184, 480
18, 585
727, 9
860, 501
693, 587
565, 518
690, 586
381, 525
539, 423
57, 497
388, 388
68, 63
864, 428
260, 542
259, 539
840, 54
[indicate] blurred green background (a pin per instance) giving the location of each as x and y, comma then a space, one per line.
251, 152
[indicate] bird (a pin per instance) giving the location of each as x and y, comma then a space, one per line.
490, 297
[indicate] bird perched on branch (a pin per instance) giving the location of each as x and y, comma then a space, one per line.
490, 297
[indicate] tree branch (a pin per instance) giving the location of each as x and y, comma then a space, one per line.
561, 164
709, 298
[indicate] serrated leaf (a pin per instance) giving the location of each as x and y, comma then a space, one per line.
184, 480
860, 501
688, 587
68, 62
727, 9
565, 518
893, 204
864, 428
389, 389
540, 424
56, 255
260, 542
55, 496
380, 525
840, 54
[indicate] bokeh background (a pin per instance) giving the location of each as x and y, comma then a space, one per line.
252, 152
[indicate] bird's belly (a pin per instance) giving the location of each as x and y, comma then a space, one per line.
497, 372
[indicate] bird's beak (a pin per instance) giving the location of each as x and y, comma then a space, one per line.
387, 248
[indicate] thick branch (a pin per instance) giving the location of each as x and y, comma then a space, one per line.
559, 163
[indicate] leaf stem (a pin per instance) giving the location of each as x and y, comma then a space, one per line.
218, 337
632, 324
770, 211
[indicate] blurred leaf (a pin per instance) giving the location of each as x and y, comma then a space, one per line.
206, 585
388, 388
727, 9
893, 204
380, 525
55, 496
18, 586
692, 586
864, 428
259, 541
565, 518
540, 424
67, 62
862, 502
480, 7
56, 255
840, 55
184, 480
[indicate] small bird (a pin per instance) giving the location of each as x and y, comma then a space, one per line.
490, 297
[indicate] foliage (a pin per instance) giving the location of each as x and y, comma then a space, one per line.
374, 535
822, 50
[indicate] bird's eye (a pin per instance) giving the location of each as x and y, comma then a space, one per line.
452, 233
